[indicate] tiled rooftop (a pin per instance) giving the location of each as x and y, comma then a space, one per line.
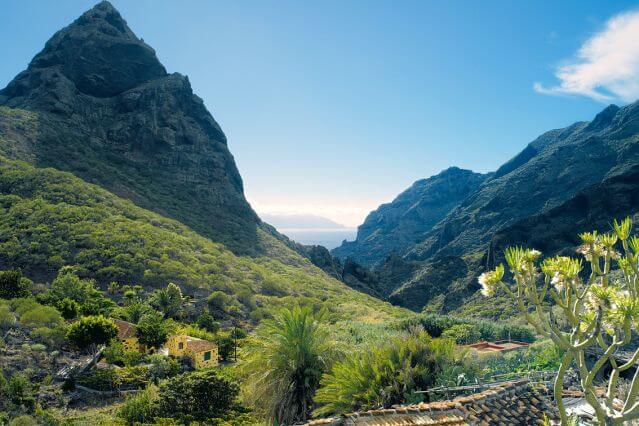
125, 329
511, 403
199, 345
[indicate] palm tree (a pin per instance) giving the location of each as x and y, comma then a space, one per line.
168, 300
288, 358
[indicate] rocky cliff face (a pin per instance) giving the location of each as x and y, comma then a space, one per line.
397, 226
106, 110
566, 181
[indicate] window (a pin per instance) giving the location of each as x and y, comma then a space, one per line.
181, 345
207, 355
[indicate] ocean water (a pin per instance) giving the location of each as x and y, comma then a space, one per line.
329, 238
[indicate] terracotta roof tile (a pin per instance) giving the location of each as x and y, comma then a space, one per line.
125, 329
511, 403
199, 345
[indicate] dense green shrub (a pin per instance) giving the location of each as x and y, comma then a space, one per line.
91, 330
13, 284
7, 317
463, 333
201, 396
152, 330
54, 337
384, 375
67, 285
140, 408
114, 353
42, 316
102, 379
161, 367
69, 308
435, 325
208, 323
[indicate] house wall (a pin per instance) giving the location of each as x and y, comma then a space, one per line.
173, 345
200, 362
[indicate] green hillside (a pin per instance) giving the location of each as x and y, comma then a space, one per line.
49, 219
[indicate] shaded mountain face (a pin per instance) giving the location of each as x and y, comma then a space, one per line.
106, 110
397, 226
565, 182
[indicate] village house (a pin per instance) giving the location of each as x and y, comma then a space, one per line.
127, 336
202, 353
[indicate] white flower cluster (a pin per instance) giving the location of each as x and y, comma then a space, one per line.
490, 280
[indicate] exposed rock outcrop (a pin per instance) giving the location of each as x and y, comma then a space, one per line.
107, 111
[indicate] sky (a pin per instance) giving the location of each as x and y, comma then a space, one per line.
333, 107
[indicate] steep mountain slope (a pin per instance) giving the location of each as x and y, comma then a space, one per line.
397, 226
549, 177
50, 218
106, 110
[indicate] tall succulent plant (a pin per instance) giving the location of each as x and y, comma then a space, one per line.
599, 303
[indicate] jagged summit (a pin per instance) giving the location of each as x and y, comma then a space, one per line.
98, 53
106, 110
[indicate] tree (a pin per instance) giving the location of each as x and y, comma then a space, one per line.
200, 396
67, 285
600, 310
152, 330
13, 284
135, 310
91, 330
168, 300
207, 322
286, 362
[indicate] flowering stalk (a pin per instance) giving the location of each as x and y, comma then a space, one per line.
600, 313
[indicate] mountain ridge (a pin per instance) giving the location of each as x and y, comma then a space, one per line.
551, 173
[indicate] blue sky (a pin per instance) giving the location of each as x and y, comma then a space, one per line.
333, 107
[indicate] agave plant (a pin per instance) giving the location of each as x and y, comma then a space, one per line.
601, 310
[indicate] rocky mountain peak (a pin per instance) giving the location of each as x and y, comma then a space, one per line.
108, 112
603, 119
100, 54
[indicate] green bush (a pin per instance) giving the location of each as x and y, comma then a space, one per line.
13, 284
201, 396
42, 316
463, 333
67, 285
161, 367
54, 337
208, 323
68, 308
435, 325
91, 330
133, 377
114, 353
7, 318
102, 379
140, 408
385, 375
152, 330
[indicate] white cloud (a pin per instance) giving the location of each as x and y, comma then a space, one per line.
606, 67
